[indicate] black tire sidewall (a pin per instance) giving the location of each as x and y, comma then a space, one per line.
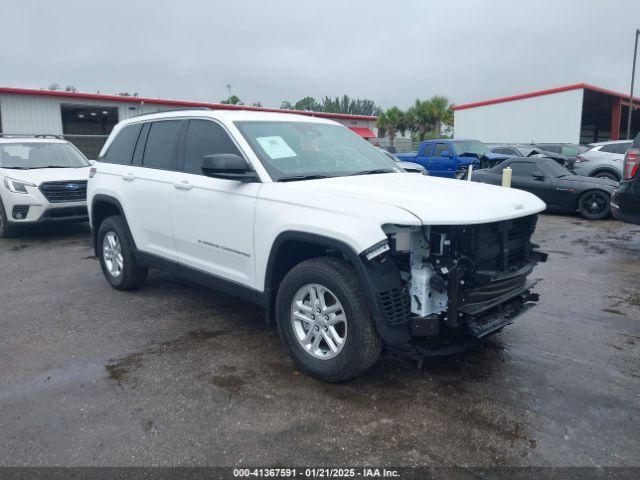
602, 215
607, 175
117, 225
6, 230
355, 342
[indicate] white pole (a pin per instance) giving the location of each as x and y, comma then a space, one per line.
506, 177
469, 173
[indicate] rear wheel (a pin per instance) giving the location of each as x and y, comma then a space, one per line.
116, 252
594, 205
6, 229
609, 175
324, 321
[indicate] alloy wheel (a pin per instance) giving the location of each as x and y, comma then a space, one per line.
112, 253
319, 321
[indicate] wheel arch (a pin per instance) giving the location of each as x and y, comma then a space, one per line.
605, 170
292, 247
103, 206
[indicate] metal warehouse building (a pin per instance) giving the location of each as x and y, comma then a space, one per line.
578, 113
87, 119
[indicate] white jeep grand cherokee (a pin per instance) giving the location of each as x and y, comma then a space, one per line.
41, 180
343, 249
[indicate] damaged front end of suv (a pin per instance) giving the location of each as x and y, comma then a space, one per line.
451, 285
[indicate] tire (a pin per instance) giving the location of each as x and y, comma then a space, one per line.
361, 343
6, 229
609, 175
587, 205
121, 271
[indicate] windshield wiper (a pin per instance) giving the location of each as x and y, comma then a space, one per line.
372, 172
294, 178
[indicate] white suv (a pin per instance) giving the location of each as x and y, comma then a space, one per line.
41, 180
298, 214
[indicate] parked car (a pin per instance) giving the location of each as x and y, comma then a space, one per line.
603, 160
42, 179
343, 249
452, 158
570, 150
406, 166
625, 204
529, 151
560, 189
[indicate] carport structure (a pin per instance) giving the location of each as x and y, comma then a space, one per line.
578, 113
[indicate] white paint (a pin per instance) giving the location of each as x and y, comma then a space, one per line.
548, 118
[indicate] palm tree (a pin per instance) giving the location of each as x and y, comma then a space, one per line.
441, 113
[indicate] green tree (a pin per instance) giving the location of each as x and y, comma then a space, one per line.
390, 122
441, 113
286, 105
232, 100
308, 103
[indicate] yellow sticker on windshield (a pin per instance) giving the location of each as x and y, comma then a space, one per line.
276, 147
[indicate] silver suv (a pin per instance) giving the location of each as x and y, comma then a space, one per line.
603, 160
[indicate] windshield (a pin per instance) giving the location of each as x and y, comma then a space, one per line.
289, 150
554, 168
470, 146
27, 155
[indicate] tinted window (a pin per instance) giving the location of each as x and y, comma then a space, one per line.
205, 138
570, 151
615, 147
121, 148
524, 169
636, 141
162, 145
505, 151
440, 147
551, 148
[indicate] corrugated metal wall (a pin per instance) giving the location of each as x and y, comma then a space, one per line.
548, 118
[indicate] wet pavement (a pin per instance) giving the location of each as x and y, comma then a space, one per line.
175, 374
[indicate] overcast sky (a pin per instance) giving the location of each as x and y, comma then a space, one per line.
391, 52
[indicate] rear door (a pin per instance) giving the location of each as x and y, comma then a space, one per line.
213, 218
149, 187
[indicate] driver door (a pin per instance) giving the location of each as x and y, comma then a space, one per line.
529, 176
213, 218
441, 166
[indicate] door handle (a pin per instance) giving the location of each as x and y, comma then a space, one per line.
128, 177
184, 185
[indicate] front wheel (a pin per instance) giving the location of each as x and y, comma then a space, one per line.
116, 252
324, 321
594, 205
607, 175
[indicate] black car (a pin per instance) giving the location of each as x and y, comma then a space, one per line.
625, 204
531, 151
560, 189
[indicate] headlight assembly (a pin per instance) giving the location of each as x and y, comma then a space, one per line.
17, 186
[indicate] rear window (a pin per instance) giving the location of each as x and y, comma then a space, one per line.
616, 147
121, 149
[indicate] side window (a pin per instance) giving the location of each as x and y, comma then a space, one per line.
551, 148
440, 147
524, 169
428, 148
121, 149
161, 150
205, 137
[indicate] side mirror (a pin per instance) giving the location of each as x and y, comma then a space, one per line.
445, 153
228, 166
538, 175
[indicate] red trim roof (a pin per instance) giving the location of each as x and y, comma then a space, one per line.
175, 103
540, 93
364, 132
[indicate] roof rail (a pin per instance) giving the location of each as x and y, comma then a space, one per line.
32, 135
170, 110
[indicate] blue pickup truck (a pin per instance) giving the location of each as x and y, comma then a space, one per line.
451, 158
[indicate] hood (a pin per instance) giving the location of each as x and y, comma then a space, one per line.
41, 175
599, 182
434, 201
